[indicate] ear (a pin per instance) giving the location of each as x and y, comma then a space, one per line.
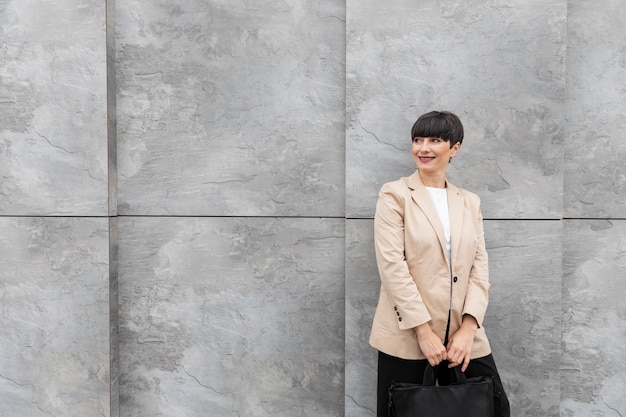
456, 147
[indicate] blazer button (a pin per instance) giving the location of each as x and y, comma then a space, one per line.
399, 318
398, 313
395, 308
455, 279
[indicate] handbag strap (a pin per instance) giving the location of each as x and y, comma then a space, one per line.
446, 338
430, 375
460, 375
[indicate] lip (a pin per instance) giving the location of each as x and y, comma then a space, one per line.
425, 159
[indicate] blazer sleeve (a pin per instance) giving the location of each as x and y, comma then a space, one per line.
392, 266
477, 296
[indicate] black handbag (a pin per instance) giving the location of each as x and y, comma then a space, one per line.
467, 397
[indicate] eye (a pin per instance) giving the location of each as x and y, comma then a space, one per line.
418, 140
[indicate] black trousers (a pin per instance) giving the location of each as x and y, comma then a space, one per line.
392, 369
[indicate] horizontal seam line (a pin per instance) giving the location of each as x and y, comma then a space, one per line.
276, 217
166, 216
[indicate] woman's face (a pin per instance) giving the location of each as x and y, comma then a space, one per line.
432, 155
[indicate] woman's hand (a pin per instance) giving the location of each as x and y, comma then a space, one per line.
431, 345
459, 349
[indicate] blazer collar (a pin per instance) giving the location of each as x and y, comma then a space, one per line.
455, 207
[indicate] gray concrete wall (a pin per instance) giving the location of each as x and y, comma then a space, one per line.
57, 275
231, 114
187, 191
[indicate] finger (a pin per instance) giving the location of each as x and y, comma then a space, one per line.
465, 364
441, 357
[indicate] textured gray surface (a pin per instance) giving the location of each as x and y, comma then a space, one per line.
499, 65
114, 343
237, 109
53, 108
243, 317
231, 108
595, 150
111, 108
54, 316
593, 370
362, 285
523, 320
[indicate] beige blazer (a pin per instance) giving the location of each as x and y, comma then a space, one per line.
417, 285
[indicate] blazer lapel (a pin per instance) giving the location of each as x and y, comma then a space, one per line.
422, 199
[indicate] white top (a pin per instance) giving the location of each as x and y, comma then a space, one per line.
439, 196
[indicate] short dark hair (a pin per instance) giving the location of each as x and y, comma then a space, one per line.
438, 124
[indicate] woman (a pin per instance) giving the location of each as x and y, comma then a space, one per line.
432, 261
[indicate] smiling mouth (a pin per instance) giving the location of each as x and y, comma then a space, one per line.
426, 158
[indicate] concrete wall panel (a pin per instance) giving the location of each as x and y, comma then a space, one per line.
595, 149
235, 316
499, 65
362, 288
53, 108
523, 319
54, 315
593, 374
231, 108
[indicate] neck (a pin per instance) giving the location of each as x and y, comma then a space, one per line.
434, 181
